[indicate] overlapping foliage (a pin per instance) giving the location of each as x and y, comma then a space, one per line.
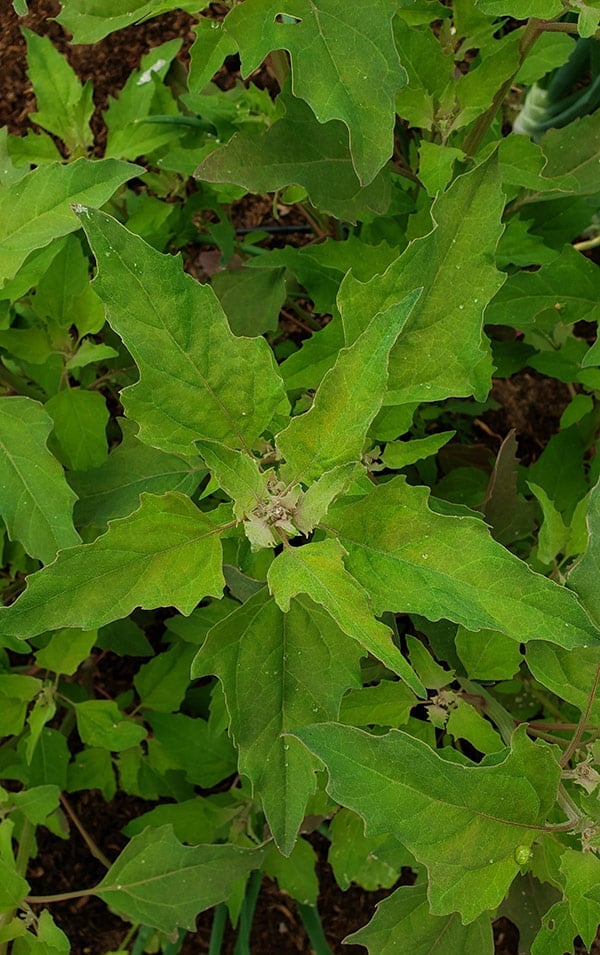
355, 614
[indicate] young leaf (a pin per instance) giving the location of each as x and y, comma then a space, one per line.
463, 822
13, 887
238, 474
101, 723
80, 418
403, 921
344, 64
279, 671
197, 379
114, 489
412, 560
297, 150
332, 433
317, 569
159, 882
574, 151
37, 208
441, 351
165, 553
37, 503
65, 107
91, 20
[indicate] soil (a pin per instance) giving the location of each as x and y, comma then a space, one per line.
529, 402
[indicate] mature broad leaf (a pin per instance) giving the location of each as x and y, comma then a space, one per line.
295, 874
167, 553
80, 418
317, 569
332, 433
372, 862
403, 922
251, 298
567, 290
568, 673
279, 671
581, 872
298, 150
558, 931
344, 64
65, 107
159, 882
584, 577
441, 350
463, 822
197, 379
37, 208
413, 560
37, 503
574, 151
114, 489
92, 20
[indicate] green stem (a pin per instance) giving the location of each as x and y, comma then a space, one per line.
242, 945
311, 921
532, 31
59, 897
217, 931
571, 749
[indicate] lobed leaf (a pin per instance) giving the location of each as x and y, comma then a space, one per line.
197, 380
165, 553
345, 64
37, 208
159, 882
464, 822
279, 671
412, 560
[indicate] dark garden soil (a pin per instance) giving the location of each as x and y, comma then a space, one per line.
528, 402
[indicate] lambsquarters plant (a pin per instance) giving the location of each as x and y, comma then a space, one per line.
358, 620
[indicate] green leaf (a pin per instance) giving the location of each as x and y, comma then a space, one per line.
297, 150
388, 703
295, 874
159, 882
565, 290
558, 932
489, 655
581, 872
403, 921
142, 95
441, 352
332, 432
114, 489
238, 475
37, 208
303, 663
167, 553
583, 578
405, 555
447, 814
37, 803
568, 673
64, 296
399, 454
92, 20
317, 569
209, 49
80, 418
344, 65
101, 723
251, 298
65, 107
13, 887
92, 768
574, 151
201, 748
194, 820
197, 379
161, 683
37, 502
521, 9
355, 857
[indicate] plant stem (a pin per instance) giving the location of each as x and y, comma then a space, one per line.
583, 721
587, 244
311, 921
94, 849
532, 31
242, 945
218, 929
59, 897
